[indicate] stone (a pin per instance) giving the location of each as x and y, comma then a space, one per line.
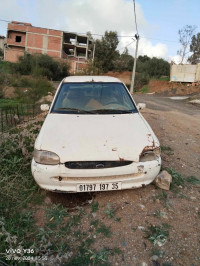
163, 180
124, 244
192, 198
154, 258
133, 258
141, 228
141, 206
196, 101
143, 264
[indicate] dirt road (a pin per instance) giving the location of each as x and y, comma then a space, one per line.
177, 125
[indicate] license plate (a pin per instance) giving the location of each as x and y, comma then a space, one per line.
98, 187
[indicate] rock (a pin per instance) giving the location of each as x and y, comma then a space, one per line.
195, 101
142, 206
133, 258
163, 215
163, 180
192, 198
143, 264
46, 99
141, 228
154, 257
124, 243
94, 214
157, 201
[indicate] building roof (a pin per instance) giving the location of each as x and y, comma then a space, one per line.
91, 79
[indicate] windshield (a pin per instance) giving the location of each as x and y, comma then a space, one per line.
94, 98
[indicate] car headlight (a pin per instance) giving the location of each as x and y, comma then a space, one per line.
150, 155
46, 157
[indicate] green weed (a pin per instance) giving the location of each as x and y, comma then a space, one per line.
145, 89
177, 179
159, 214
103, 230
110, 212
95, 223
192, 180
166, 148
157, 234
94, 207
162, 196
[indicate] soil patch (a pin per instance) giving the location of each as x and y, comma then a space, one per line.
123, 76
167, 88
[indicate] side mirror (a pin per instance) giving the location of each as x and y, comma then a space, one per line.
141, 106
44, 107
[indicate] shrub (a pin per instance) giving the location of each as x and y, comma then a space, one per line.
91, 69
141, 79
41, 65
5, 67
35, 89
154, 67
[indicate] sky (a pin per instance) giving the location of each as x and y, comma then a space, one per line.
158, 21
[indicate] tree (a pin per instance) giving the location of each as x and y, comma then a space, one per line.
143, 58
154, 67
106, 51
124, 62
195, 49
185, 35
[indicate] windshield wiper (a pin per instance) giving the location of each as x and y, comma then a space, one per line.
113, 111
75, 109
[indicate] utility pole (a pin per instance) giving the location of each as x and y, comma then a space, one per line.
93, 52
134, 66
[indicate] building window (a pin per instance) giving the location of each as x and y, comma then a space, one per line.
18, 38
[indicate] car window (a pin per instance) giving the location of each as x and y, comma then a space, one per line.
93, 97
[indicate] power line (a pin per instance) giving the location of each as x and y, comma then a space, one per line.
126, 45
158, 39
119, 36
135, 17
129, 36
5, 20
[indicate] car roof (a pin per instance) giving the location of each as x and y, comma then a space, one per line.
90, 79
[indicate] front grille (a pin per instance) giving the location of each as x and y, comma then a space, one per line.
96, 164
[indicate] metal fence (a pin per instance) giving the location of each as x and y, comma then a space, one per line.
11, 116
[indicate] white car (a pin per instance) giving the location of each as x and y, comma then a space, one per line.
94, 139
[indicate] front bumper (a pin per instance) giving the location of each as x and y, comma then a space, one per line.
58, 178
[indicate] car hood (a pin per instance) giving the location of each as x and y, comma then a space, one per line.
96, 137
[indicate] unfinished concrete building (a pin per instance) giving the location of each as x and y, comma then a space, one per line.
23, 37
